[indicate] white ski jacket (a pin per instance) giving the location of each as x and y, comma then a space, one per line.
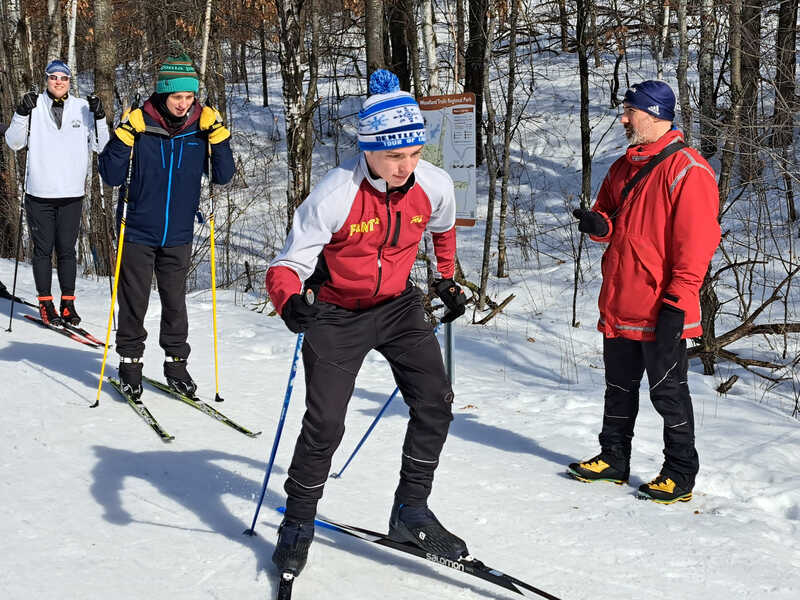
58, 158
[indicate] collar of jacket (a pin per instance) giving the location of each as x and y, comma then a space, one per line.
163, 129
380, 184
641, 155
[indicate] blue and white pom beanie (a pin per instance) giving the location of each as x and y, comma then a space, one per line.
57, 66
390, 118
653, 97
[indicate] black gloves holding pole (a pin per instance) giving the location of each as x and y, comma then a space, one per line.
590, 222
453, 297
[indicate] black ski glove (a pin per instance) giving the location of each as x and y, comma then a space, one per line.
96, 107
453, 297
27, 104
590, 222
299, 313
669, 327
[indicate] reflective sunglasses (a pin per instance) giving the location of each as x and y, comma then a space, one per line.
58, 77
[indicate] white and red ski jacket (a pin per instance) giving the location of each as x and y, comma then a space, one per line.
359, 241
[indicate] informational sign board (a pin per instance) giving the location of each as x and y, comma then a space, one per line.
450, 125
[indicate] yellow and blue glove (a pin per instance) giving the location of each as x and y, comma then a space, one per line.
130, 126
211, 121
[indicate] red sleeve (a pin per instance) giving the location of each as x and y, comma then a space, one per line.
282, 282
604, 205
444, 246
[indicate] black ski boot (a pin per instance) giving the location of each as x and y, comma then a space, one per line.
68, 312
178, 377
47, 311
603, 467
419, 526
130, 377
291, 551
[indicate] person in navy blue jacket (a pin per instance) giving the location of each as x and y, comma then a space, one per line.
171, 136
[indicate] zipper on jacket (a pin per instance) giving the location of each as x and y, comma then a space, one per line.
385, 239
169, 189
396, 235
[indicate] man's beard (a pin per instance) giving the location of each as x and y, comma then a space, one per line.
635, 138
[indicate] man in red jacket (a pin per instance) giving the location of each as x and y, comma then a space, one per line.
353, 242
660, 223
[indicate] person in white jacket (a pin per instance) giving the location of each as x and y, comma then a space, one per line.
59, 131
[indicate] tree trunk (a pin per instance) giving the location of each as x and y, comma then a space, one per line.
55, 35
397, 17
491, 167
563, 19
750, 167
476, 50
460, 56
262, 35
204, 51
101, 233
507, 132
583, 69
662, 50
298, 104
71, 57
683, 68
429, 42
785, 100
374, 35
413, 47
705, 66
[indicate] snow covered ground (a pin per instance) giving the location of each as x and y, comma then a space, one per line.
96, 506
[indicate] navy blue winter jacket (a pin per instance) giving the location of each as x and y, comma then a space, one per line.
166, 178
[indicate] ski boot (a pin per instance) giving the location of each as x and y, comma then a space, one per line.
664, 491
178, 377
47, 311
68, 312
130, 377
291, 551
600, 468
419, 526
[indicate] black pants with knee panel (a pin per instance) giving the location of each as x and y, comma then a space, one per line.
625, 363
333, 351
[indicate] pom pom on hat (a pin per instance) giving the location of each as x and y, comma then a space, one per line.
383, 82
390, 118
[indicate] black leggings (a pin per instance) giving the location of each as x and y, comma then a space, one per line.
54, 223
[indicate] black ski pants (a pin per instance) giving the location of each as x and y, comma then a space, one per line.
333, 351
54, 223
135, 276
625, 362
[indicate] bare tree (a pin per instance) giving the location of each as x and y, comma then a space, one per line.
705, 67
374, 35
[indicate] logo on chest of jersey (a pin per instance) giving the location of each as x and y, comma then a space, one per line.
364, 226
76, 123
416, 219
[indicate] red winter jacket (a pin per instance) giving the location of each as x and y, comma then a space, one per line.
359, 242
661, 241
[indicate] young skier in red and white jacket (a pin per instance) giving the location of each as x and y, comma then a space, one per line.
354, 241
661, 238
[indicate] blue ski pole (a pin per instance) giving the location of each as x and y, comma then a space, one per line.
292, 372
366, 435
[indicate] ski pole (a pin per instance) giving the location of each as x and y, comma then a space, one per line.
117, 266
366, 435
103, 208
19, 224
217, 398
281, 420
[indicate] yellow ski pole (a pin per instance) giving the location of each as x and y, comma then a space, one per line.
116, 269
217, 397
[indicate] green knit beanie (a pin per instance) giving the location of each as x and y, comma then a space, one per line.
177, 74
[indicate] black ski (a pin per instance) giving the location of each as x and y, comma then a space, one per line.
71, 335
4, 293
285, 586
204, 408
468, 565
141, 410
82, 332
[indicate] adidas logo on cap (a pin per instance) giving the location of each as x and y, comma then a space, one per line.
654, 109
